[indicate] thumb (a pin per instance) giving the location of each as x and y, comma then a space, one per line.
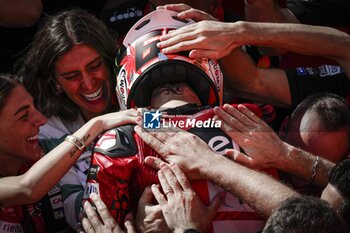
129, 225
146, 197
216, 203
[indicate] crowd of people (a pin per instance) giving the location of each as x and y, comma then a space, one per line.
78, 81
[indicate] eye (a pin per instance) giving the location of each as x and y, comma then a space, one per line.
71, 76
24, 117
95, 65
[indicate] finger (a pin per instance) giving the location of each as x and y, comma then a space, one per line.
167, 189
196, 15
130, 228
102, 210
250, 114
181, 177
88, 228
231, 131
236, 113
205, 53
132, 112
178, 44
171, 178
177, 35
160, 7
158, 195
91, 215
153, 162
216, 203
230, 118
239, 157
151, 140
177, 7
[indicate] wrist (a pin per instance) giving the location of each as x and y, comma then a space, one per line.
95, 126
208, 169
285, 157
282, 154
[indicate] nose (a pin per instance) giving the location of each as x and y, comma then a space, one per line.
39, 119
88, 81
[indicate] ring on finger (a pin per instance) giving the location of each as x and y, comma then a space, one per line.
168, 191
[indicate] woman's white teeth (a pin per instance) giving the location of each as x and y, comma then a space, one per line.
93, 96
32, 138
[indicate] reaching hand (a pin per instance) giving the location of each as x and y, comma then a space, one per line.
149, 217
102, 221
262, 146
181, 207
114, 119
178, 146
187, 12
205, 39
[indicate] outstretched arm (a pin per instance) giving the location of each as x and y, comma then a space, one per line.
195, 158
251, 82
268, 11
215, 40
265, 149
212, 39
35, 183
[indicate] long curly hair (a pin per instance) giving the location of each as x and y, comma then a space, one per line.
56, 36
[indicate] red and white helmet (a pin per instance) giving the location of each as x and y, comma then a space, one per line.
145, 67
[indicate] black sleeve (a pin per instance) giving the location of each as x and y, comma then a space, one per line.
333, 13
307, 81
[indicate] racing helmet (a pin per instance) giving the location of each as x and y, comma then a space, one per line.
144, 67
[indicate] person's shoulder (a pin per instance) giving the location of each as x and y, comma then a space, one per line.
54, 128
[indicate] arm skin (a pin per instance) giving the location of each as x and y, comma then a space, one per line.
19, 13
34, 184
218, 40
215, 40
268, 11
194, 157
264, 148
251, 82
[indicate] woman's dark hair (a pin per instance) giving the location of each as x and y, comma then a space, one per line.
7, 83
56, 36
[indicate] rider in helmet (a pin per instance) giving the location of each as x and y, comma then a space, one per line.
145, 67
185, 90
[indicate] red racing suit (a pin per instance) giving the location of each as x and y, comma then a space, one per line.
118, 174
23, 218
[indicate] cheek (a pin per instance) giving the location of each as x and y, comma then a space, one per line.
69, 87
105, 74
